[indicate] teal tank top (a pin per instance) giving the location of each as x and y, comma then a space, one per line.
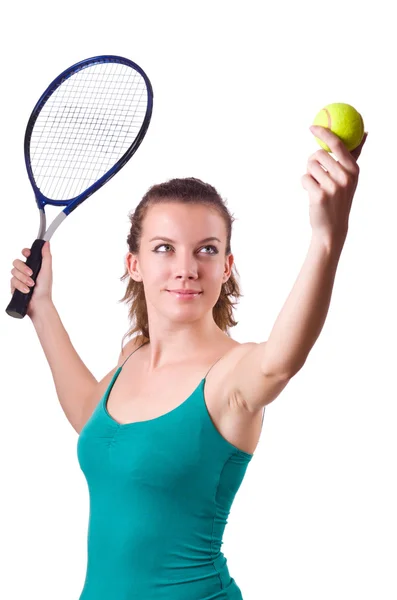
160, 492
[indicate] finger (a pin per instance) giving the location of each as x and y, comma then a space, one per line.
16, 284
22, 267
336, 146
319, 174
21, 276
310, 184
357, 151
334, 168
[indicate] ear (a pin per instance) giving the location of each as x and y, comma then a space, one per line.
228, 266
132, 265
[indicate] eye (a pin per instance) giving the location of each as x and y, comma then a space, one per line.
213, 248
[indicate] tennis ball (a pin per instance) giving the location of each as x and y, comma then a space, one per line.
344, 121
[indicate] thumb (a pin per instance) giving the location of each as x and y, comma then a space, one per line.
46, 249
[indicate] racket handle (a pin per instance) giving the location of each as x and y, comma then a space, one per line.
19, 302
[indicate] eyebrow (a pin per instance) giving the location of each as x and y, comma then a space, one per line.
166, 239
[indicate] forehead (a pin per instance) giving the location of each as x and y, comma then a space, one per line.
187, 221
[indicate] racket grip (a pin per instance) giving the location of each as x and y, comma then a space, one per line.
19, 302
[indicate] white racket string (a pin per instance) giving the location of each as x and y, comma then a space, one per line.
85, 127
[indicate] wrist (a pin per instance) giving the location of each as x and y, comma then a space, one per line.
41, 310
333, 245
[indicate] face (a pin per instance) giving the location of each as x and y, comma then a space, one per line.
185, 262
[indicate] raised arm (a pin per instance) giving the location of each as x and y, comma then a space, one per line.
331, 185
264, 371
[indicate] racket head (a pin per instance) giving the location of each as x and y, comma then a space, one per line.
82, 110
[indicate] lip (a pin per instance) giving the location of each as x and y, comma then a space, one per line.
185, 291
187, 295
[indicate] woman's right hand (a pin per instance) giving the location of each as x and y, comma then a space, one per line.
42, 289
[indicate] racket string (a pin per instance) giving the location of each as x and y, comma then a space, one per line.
77, 158
86, 126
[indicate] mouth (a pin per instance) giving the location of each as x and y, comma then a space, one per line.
185, 294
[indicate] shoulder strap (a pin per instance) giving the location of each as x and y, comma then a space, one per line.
133, 353
205, 377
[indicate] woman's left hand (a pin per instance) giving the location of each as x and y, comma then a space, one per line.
331, 192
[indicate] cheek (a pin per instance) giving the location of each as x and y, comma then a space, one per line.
217, 275
155, 272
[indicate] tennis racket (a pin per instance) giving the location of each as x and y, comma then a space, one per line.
85, 127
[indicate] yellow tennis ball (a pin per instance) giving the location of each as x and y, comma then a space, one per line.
344, 121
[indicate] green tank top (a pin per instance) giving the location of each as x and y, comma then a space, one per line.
160, 492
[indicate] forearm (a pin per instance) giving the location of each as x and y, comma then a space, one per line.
302, 317
73, 380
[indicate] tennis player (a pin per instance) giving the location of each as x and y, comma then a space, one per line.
166, 436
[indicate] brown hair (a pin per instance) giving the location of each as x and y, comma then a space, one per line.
188, 191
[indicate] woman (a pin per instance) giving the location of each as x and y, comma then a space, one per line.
166, 437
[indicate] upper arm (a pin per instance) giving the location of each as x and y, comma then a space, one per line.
248, 383
102, 385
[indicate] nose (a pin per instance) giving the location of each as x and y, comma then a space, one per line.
185, 267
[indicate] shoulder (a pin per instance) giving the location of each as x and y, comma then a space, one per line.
236, 351
130, 347
221, 373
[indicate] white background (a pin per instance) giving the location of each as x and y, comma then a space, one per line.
236, 88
